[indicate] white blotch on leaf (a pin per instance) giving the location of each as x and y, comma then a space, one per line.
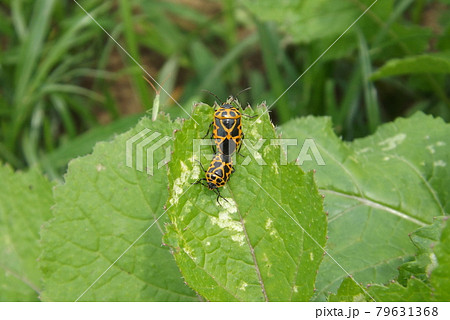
295, 288
437, 144
359, 298
254, 132
243, 285
269, 227
311, 256
178, 183
100, 167
275, 167
239, 238
386, 158
433, 264
195, 174
229, 206
439, 163
268, 264
258, 156
184, 167
392, 142
364, 150
268, 223
225, 221
189, 252
266, 151
187, 207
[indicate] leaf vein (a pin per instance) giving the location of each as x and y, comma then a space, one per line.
376, 205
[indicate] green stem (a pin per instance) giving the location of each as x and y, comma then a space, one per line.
133, 48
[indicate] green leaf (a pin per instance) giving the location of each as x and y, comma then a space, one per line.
440, 276
247, 248
349, 291
400, 39
414, 65
310, 20
83, 144
424, 239
25, 201
377, 190
416, 290
103, 208
437, 263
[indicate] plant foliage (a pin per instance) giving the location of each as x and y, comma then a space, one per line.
111, 238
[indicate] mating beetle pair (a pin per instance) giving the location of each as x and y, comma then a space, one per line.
227, 134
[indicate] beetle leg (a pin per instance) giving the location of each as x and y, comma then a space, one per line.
208, 130
219, 196
201, 166
240, 145
199, 181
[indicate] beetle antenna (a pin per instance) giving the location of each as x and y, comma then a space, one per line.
243, 90
213, 95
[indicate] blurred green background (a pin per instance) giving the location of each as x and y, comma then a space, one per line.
64, 84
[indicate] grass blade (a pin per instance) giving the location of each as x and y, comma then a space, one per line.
133, 48
269, 49
30, 51
370, 92
31, 48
